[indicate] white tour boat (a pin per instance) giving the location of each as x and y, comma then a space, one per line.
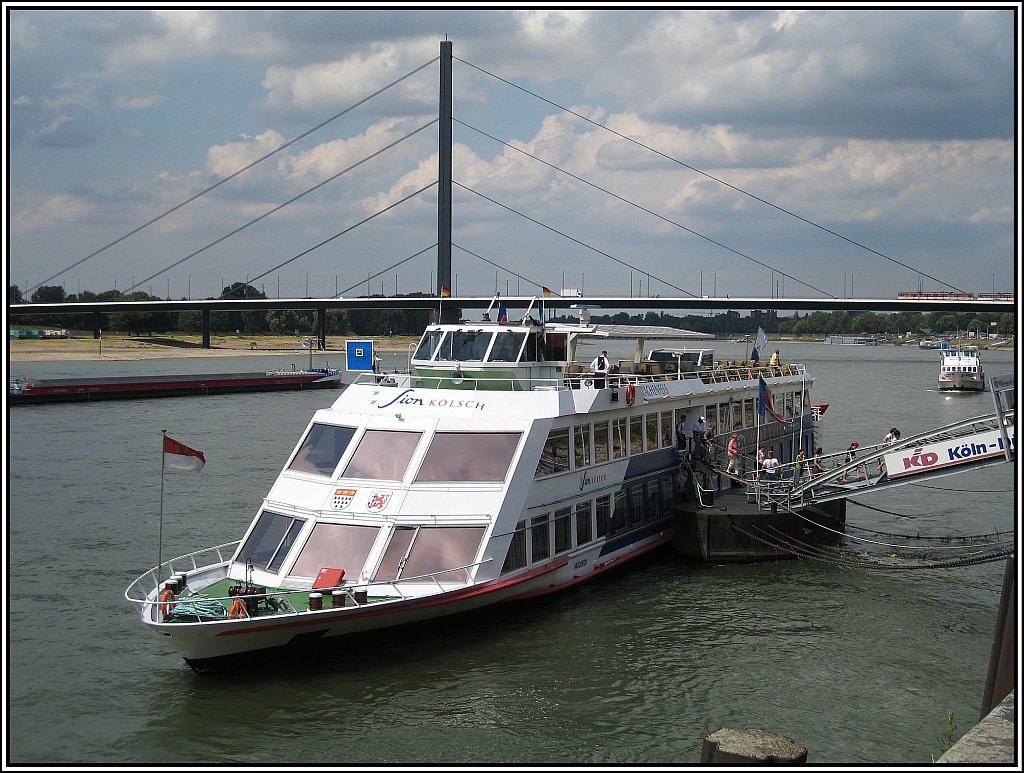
960, 368
497, 468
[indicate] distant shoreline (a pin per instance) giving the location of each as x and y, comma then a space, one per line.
126, 348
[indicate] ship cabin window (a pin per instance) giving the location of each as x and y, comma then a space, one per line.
270, 540
506, 347
619, 514
651, 425
748, 412
464, 346
321, 449
428, 344
540, 537
430, 553
619, 443
516, 556
555, 456
604, 514
469, 457
335, 544
636, 435
584, 522
382, 455
563, 530
666, 429
581, 445
601, 449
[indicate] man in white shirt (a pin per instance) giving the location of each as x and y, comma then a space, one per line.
771, 467
600, 369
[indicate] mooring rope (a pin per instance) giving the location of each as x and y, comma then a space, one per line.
198, 606
834, 556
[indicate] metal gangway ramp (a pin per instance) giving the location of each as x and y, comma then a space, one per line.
959, 447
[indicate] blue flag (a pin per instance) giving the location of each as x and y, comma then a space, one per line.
502, 313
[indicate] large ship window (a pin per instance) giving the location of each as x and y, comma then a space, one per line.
604, 514
464, 346
382, 455
584, 522
428, 344
341, 546
540, 537
516, 556
601, 442
437, 550
556, 347
270, 540
322, 449
619, 438
563, 530
469, 456
506, 347
555, 456
581, 444
636, 435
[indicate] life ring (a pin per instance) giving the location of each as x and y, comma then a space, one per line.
166, 602
238, 610
630, 394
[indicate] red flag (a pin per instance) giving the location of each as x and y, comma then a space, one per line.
178, 456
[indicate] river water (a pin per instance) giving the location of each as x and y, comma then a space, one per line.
860, 666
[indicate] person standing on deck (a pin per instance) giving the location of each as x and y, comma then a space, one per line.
771, 467
682, 433
774, 358
600, 369
697, 441
733, 452
798, 469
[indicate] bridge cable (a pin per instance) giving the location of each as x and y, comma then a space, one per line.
497, 265
345, 231
396, 265
644, 209
709, 176
231, 176
572, 239
281, 206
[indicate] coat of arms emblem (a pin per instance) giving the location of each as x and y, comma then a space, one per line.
378, 500
342, 498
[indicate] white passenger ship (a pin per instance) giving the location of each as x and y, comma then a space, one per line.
960, 368
497, 468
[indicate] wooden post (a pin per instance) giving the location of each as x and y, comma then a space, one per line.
751, 746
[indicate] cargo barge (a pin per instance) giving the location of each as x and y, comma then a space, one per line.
31, 391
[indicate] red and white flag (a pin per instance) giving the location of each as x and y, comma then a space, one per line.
178, 456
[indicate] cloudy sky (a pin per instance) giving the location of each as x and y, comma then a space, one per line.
746, 152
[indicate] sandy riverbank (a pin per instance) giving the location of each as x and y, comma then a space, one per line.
116, 348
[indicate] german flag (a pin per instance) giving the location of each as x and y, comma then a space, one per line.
546, 291
445, 292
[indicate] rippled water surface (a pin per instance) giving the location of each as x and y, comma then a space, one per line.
860, 666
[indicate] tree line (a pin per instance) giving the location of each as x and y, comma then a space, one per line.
385, 322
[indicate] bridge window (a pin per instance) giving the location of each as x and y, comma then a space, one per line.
666, 429
382, 455
333, 544
506, 347
464, 346
652, 431
428, 344
321, 449
469, 456
748, 412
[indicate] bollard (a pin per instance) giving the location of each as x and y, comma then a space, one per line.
751, 746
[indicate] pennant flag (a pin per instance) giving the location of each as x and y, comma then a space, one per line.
178, 456
445, 292
546, 291
764, 400
502, 313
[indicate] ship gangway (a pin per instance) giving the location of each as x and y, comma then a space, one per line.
949, 450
